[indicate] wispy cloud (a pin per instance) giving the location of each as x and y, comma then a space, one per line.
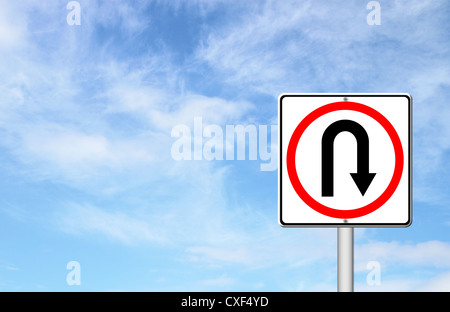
438, 283
116, 225
430, 253
221, 281
308, 47
10, 267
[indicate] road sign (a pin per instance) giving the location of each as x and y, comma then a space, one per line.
345, 160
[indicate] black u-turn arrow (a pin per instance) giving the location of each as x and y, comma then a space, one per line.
362, 178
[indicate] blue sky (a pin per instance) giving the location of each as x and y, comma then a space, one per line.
86, 115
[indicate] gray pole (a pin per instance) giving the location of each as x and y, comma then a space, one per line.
345, 259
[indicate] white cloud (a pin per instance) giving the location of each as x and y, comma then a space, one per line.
188, 200
59, 113
422, 266
390, 285
12, 29
210, 254
245, 51
69, 148
431, 253
164, 109
312, 46
221, 281
439, 283
408, 283
260, 245
116, 225
9, 267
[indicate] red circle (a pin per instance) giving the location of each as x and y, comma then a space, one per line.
336, 213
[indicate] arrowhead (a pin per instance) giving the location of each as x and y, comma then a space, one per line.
363, 181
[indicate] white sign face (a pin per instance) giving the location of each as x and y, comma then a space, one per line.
345, 160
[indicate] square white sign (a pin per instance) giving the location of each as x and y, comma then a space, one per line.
345, 160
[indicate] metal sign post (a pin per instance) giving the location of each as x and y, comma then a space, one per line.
345, 259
